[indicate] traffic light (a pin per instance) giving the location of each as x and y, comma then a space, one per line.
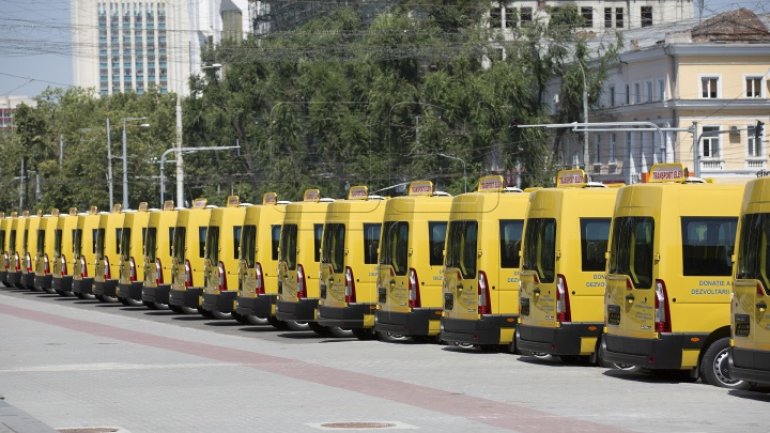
758, 130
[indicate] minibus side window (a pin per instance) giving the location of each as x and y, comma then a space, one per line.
707, 244
150, 242
77, 243
2, 239
236, 240
248, 244
171, 241
144, 236
631, 254
179, 244
25, 241
40, 242
202, 232
57, 242
510, 242
99, 243
12, 246
540, 248
594, 233
334, 246
462, 247
400, 247
437, 238
318, 230
275, 237
118, 237
212, 244
125, 243
385, 244
371, 242
289, 245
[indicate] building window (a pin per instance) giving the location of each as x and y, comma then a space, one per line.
611, 149
510, 17
753, 87
646, 16
709, 87
648, 86
494, 17
619, 18
628, 95
710, 142
588, 16
637, 93
526, 16
597, 149
612, 96
754, 146
608, 18
661, 89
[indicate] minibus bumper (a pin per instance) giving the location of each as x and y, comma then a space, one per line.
62, 285
15, 279
4, 278
28, 280
261, 306
664, 353
83, 286
157, 295
222, 302
488, 330
414, 323
43, 282
132, 290
567, 339
186, 298
349, 317
106, 288
301, 311
750, 365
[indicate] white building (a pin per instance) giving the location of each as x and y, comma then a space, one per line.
122, 46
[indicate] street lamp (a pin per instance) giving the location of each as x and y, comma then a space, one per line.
462, 161
125, 159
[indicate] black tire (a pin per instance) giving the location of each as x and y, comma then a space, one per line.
297, 326
575, 359
277, 324
206, 313
128, 302
177, 309
322, 331
364, 334
392, 337
714, 368
85, 296
338, 332
150, 305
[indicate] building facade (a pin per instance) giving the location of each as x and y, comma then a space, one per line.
8, 105
132, 46
704, 85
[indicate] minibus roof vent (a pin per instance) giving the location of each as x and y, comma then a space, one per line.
326, 200
376, 197
441, 194
693, 179
595, 185
284, 201
512, 189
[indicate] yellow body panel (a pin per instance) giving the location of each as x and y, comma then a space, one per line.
159, 249
108, 247
358, 220
84, 245
224, 248
132, 245
190, 246
29, 255
64, 257
266, 221
5, 234
45, 243
18, 229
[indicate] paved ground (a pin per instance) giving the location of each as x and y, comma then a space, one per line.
73, 363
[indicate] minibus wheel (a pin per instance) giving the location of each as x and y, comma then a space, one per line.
364, 333
338, 332
130, 302
250, 319
86, 296
714, 366
297, 326
277, 324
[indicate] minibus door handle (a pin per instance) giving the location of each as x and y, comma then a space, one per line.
761, 306
392, 283
459, 287
536, 292
630, 299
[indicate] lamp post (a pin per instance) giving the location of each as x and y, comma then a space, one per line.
109, 163
462, 161
585, 114
125, 158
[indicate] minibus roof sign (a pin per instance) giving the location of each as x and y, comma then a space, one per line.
491, 183
168, 205
270, 198
54, 212
143, 206
233, 201
358, 192
199, 203
313, 194
117, 207
576, 178
73, 211
421, 188
668, 172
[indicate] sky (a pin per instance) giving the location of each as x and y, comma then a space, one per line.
35, 42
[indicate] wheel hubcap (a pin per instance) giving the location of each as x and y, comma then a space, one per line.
720, 368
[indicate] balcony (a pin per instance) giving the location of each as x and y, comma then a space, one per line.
756, 163
711, 163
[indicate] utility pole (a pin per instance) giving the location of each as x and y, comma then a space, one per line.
21, 186
695, 150
179, 160
61, 150
109, 163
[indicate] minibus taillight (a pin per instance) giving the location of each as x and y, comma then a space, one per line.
47, 265
222, 277
485, 306
760, 290
6, 261
131, 270
188, 281
301, 286
16, 262
107, 273
63, 265
662, 311
158, 272
414, 289
83, 267
260, 279
563, 313
350, 286
28, 260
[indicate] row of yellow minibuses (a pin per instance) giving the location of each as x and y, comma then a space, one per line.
669, 275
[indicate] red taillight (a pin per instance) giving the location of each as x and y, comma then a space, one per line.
158, 272
6, 261
222, 277
760, 290
485, 306
47, 265
16, 262
188, 279
563, 313
301, 286
414, 289
28, 259
260, 279
83, 267
107, 273
63, 265
662, 311
350, 286
131, 270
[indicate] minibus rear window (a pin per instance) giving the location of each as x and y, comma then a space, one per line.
462, 247
594, 233
289, 245
125, 244
371, 242
631, 253
437, 238
275, 237
202, 231
248, 244
334, 246
212, 244
510, 242
150, 243
707, 245
236, 240
540, 248
754, 251
395, 246
180, 242
40, 242
318, 231
57, 242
